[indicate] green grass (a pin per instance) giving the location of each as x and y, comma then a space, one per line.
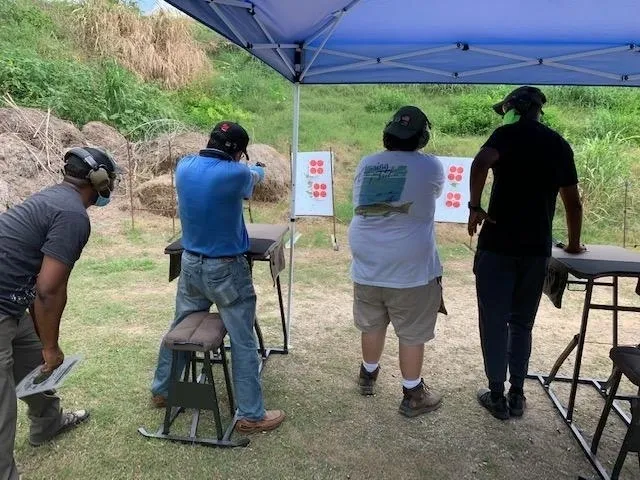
118, 265
117, 318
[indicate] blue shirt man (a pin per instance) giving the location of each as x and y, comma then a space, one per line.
211, 187
210, 194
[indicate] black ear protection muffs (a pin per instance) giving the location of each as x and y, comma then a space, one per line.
98, 176
425, 135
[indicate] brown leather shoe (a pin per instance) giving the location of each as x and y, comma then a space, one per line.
271, 420
419, 400
159, 401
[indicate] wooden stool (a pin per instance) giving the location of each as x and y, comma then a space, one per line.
199, 332
626, 361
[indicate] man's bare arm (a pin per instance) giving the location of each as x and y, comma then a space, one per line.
51, 298
484, 160
573, 208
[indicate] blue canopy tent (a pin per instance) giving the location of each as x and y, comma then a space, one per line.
552, 42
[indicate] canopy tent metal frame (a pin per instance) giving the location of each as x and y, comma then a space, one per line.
296, 70
305, 73
246, 23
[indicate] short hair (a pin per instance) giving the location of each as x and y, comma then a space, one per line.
219, 144
394, 143
76, 168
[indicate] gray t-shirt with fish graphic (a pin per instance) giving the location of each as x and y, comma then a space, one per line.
392, 234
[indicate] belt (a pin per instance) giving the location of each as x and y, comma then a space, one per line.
200, 255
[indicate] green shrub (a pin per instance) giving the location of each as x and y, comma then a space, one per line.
469, 115
81, 92
553, 119
386, 100
603, 167
605, 122
129, 102
248, 83
620, 99
204, 111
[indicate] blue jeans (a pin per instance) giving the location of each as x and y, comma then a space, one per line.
509, 291
227, 283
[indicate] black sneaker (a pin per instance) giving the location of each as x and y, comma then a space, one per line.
367, 381
497, 408
517, 403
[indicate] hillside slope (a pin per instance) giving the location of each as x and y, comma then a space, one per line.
96, 70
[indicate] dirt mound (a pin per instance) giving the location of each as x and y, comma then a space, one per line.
277, 180
157, 196
23, 169
159, 155
5, 196
40, 129
98, 134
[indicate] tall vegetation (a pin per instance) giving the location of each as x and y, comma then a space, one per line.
102, 60
159, 47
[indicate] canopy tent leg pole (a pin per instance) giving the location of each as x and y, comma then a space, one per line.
292, 214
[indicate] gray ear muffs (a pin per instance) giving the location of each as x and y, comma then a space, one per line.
98, 176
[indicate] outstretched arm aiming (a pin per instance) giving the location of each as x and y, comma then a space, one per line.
483, 161
573, 208
51, 298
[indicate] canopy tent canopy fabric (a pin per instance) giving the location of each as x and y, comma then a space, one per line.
543, 42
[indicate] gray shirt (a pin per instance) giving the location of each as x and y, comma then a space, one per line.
52, 222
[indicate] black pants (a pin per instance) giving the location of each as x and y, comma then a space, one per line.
509, 290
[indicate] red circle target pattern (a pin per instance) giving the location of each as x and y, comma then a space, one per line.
453, 200
319, 190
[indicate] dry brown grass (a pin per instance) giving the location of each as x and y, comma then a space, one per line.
277, 180
158, 195
157, 47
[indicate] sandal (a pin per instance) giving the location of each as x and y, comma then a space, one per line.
69, 420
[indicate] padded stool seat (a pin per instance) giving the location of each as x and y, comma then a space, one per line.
198, 332
198, 339
627, 359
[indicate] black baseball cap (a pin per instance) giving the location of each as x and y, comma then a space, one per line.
229, 137
407, 123
526, 93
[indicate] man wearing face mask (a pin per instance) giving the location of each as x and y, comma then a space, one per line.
531, 163
211, 186
40, 241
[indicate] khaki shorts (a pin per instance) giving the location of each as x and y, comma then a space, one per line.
412, 311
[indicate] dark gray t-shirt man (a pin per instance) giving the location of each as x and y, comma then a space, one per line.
40, 241
53, 222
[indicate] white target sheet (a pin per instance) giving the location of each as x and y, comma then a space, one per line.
314, 184
451, 207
